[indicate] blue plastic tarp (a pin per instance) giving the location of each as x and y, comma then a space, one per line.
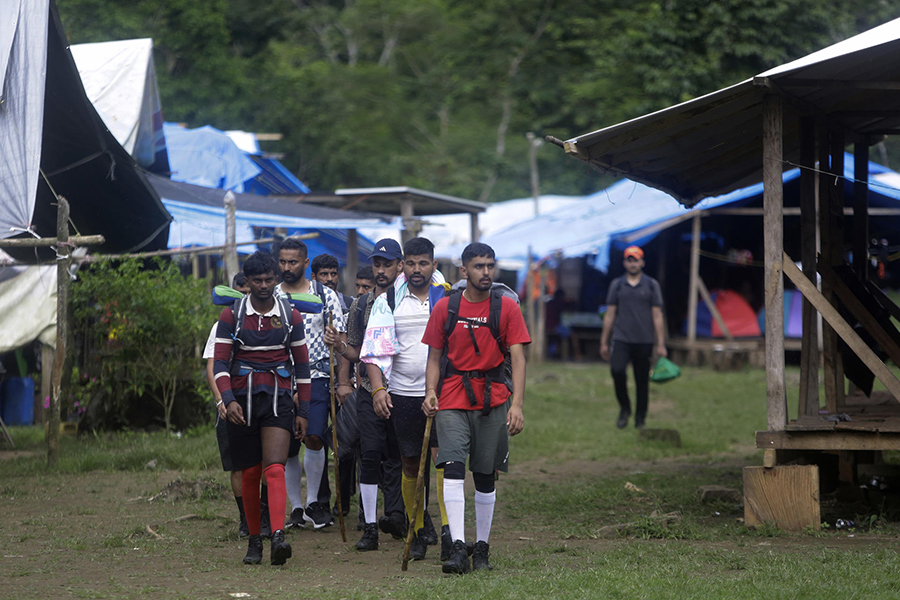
207, 157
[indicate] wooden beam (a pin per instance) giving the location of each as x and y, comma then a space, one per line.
846, 84
827, 440
809, 345
842, 328
75, 240
773, 238
693, 289
707, 299
826, 233
576, 150
837, 248
230, 252
860, 211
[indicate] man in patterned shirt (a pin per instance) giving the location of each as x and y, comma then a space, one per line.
293, 261
257, 342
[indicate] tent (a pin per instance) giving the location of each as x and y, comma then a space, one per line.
54, 142
738, 315
120, 80
793, 315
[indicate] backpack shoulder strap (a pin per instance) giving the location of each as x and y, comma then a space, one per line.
239, 309
494, 317
287, 318
391, 298
360, 315
452, 315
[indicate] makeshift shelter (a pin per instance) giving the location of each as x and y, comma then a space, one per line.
801, 113
54, 143
274, 178
738, 317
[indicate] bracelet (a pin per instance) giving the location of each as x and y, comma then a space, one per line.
219, 402
376, 390
344, 349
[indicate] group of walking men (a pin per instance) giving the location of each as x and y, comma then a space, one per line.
420, 351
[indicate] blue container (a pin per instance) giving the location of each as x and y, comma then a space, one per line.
18, 401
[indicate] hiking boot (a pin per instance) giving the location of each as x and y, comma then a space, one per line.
418, 547
446, 543
243, 530
254, 550
296, 521
459, 560
280, 550
427, 532
265, 524
318, 514
622, 421
395, 525
480, 557
369, 539
639, 424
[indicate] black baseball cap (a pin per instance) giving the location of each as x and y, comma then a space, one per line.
387, 248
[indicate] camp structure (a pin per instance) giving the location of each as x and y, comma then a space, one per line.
54, 144
801, 114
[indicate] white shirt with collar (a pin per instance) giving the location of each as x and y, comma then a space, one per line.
408, 371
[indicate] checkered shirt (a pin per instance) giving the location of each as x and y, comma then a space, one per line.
314, 327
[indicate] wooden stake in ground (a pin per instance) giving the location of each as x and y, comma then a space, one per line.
334, 441
420, 489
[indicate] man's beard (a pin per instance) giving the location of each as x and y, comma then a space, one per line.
289, 277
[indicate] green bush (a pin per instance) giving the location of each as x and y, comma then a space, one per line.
139, 324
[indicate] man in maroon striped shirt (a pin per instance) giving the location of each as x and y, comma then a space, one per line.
253, 373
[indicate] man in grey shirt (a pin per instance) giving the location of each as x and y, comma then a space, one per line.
634, 320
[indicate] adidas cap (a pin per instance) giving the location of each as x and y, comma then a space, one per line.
387, 248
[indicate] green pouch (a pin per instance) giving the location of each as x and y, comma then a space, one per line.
665, 370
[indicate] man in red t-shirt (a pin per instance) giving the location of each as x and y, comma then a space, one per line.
468, 429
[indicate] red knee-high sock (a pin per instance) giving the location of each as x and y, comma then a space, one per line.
250, 491
277, 494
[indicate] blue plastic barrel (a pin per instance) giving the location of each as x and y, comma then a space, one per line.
18, 401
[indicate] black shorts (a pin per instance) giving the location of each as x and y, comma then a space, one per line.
245, 440
375, 434
222, 438
409, 424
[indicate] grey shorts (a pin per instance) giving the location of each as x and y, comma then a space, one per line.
467, 434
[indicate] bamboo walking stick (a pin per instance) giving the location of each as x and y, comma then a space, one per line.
420, 489
334, 440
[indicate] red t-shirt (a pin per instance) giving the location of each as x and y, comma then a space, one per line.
462, 353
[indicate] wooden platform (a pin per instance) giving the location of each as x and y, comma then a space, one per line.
721, 344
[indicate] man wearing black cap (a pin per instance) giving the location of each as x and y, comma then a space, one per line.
380, 454
634, 320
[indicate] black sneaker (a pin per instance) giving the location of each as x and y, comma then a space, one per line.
296, 521
427, 532
622, 421
446, 543
280, 550
459, 560
243, 530
395, 525
419, 547
480, 557
254, 550
369, 539
318, 514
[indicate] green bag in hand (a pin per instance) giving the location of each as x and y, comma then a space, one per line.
665, 370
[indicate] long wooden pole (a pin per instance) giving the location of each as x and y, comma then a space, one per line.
693, 289
861, 210
231, 258
75, 240
198, 251
334, 439
62, 327
420, 489
809, 345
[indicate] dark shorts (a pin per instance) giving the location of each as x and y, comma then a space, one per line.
467, 434
375, 434
319, 408
409, 425
222, 438
245, 441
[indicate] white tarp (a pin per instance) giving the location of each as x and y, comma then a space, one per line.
120, 80
27, 306
23, 65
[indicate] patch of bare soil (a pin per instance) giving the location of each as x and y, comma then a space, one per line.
97, 535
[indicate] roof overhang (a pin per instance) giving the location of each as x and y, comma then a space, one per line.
392, 199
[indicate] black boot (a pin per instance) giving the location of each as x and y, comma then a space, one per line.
480, 557
459, 560
280, 550
430, 535
243, 530
418, 547
254, 551
265, 524
395, 525
369, 539
446, 543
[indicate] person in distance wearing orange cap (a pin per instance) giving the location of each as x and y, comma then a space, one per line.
634, 320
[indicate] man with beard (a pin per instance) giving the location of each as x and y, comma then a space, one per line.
293, 260
380, 456
324, 269
260, 349
400, 368
634, 319
469, 394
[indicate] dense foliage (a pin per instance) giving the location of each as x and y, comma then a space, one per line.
138, 328
439, 94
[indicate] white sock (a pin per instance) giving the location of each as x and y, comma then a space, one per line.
455, 504
314, 463
293, 472
484, 514
369, 494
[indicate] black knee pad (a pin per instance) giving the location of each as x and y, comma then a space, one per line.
454, 470
370, 468
484, 482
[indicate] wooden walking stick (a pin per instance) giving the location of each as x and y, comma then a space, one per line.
337, 468
420, 489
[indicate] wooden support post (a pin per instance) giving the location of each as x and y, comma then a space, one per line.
473, 227
786, 496
861, 210
352, 262
540, 309
693, 289
231, 259
529, 306
826, 242
809, 343
837, 247
62, 327
406, 211
773, 237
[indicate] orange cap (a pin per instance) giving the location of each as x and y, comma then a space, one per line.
634, 251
